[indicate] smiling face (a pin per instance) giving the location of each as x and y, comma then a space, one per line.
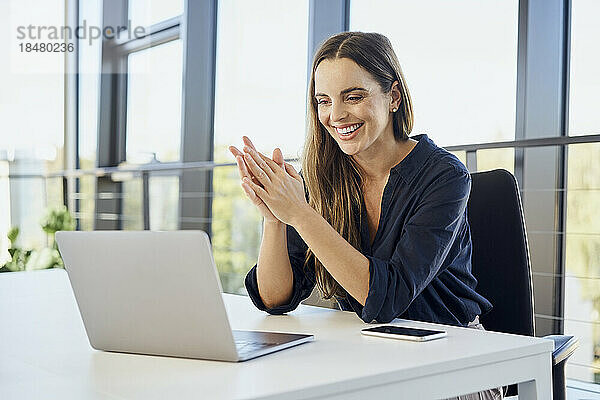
352, 107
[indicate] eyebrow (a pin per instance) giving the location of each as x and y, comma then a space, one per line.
348, 90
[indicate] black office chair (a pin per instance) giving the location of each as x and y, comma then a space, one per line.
502, 268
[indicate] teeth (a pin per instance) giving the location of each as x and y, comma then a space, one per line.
348, 130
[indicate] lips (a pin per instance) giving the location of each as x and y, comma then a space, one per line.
348, 132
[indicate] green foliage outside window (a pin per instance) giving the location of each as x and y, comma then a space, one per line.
56, 219
583, 237
235, 230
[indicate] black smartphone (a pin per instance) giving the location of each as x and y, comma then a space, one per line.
404, 333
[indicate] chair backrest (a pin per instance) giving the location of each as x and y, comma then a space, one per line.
500, 252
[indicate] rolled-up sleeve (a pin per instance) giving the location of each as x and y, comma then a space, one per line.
424, 243
304, 281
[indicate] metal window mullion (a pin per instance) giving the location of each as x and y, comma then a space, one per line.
520, 90
471, 160
522, 143
71, 106
146, 42
325, 18
198, 31
112, 115
565, 157
541, 114
125, 36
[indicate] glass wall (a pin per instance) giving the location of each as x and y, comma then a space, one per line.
260, 87
582, 282
89, 86
496, 158
260, 92
582, 264
148, 12
154, 103
31, 120
164, 202
132, 215
584, 91
459, 59
153, 130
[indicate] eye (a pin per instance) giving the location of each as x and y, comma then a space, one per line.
322, 101
355, 98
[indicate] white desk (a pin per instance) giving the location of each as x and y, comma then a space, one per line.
44, 353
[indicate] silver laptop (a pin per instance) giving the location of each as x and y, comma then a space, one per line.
157, 293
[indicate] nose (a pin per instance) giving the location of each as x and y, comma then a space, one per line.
338, 112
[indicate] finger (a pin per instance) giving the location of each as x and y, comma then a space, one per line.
242, 167
264, 162
257, 189
251, 194
292, 171
234, 150
248, 142
261, 174
278, 157
275, 167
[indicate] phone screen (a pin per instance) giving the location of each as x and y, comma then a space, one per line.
399, 330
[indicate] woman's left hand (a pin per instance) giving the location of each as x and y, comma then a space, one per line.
282, 189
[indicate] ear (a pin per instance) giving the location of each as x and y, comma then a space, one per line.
395, 96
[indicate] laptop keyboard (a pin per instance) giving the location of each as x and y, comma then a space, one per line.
245, 346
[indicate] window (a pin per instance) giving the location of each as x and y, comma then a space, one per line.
584, 92
459, 59
154, 103
261, 75
496, 158
32, 120
148, 12
164, 202
582, 265
154, 85
260, 92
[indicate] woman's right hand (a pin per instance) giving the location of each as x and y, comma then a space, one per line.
244, 172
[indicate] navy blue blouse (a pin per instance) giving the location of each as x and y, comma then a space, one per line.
420, 259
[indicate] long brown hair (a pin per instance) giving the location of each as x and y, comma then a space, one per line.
332, 178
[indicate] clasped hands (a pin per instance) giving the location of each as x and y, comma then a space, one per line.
272, 185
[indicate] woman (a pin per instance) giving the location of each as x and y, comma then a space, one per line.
377, 220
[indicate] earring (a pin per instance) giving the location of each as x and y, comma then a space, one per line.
394, 109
